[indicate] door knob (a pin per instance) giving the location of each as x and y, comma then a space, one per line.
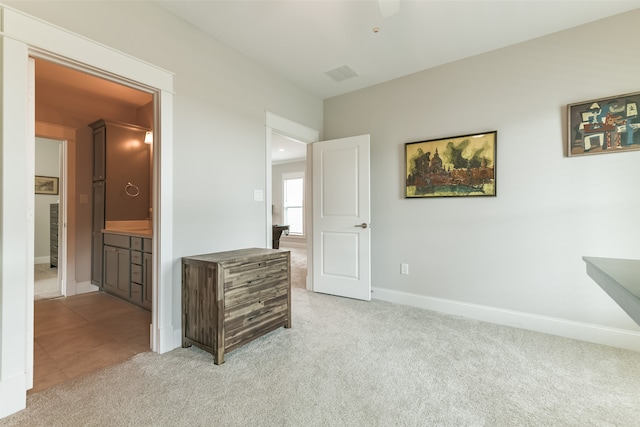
363, 225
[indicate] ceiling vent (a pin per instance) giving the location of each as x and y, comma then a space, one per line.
341, 73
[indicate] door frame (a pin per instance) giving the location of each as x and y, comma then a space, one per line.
24, 36
66, 246
304, 134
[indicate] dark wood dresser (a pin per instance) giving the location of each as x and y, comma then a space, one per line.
230, 298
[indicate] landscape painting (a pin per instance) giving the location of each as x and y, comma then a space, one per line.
459, 166
46, 185
606, 125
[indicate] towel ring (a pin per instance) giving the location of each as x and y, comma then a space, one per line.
131, 190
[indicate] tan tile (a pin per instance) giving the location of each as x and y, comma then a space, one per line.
70, 342
94, 359
83, 333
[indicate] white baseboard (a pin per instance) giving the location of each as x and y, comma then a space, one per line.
620, 338
177, 338
13, 395
81, 288
42, 260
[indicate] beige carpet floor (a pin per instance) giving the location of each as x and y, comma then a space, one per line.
352, 363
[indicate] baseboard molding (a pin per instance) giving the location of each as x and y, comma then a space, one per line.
167, 337
177, 338
42, 260
620, 338
80, 288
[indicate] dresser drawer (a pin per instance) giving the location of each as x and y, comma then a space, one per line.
260, 289
250, 308
272, 314
251, 272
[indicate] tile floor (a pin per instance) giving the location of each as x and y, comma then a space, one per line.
84, 333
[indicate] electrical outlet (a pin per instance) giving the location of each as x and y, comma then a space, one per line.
404, 268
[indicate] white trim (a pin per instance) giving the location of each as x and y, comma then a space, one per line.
162, 304
302, 133
30, 145
291, 129
620, 338
83, 287
67, 214
23, 35
87, 53
16, 227
41, 260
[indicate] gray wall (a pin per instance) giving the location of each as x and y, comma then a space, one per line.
520, 251
218, 120
47, 164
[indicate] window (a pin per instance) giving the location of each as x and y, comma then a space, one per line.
293, 200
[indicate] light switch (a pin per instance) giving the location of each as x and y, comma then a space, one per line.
404, 268
258, 196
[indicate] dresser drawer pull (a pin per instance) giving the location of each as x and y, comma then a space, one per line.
251, 319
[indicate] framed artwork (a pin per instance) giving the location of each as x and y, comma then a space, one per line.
459, 166
605, 125
46, 185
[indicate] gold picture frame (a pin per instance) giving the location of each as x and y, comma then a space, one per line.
458, 166
46, 185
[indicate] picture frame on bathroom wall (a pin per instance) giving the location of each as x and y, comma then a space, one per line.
458, 166
604, 125
46, 185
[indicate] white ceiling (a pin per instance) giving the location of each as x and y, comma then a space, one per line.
285, 149
303, 39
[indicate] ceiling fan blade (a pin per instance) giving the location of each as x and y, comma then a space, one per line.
388, 7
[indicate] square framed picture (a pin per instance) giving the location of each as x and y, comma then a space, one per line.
457, 166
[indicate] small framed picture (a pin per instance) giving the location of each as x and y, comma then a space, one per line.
604, 125
458, 166
46, 185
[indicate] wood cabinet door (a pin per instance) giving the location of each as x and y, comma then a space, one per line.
117, 271
99, 139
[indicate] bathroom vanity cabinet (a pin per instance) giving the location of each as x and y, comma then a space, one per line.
127, 268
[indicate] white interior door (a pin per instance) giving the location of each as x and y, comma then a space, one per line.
341, 217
